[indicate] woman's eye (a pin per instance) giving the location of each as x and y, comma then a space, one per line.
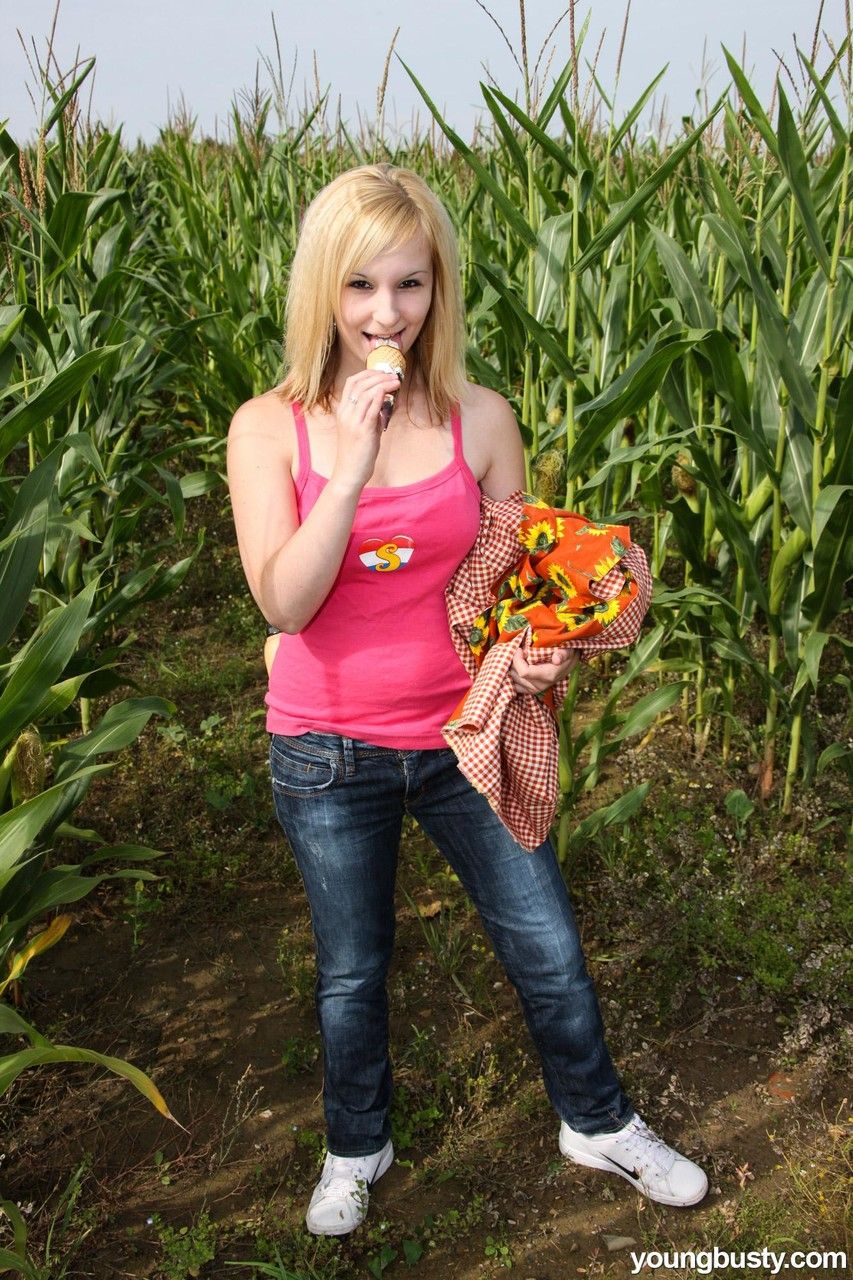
365, 284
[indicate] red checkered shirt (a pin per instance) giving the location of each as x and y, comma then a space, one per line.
506, 742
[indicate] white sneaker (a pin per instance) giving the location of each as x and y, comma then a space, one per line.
638, 1154
339, 1202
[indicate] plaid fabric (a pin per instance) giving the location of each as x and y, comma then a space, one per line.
538, 580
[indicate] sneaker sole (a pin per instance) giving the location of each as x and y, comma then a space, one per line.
383, 1167
599, 1162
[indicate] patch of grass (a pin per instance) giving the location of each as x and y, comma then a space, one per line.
295, 957
185, 1250
689, 897
300, 1053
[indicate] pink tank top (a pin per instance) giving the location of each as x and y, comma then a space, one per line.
376, 662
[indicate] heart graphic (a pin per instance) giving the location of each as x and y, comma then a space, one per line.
385, 555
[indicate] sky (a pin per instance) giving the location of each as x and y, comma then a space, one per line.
153, 55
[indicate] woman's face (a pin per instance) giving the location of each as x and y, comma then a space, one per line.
388, 297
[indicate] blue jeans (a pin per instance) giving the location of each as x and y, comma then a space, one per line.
340, 802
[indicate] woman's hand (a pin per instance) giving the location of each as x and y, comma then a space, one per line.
536, 677
359, 428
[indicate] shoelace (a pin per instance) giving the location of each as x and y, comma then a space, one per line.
339, 1177
650, 1150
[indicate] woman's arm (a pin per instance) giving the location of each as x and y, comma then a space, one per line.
499, 439
290, 568
504, 451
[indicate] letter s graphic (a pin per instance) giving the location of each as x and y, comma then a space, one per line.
388, 553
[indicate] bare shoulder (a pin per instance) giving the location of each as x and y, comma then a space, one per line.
486, 409
493, 441
266, 421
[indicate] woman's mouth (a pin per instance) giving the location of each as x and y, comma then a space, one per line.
378, 339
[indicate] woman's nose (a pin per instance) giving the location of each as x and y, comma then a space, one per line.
385, 311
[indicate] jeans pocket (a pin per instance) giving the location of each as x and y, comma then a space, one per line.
300, 768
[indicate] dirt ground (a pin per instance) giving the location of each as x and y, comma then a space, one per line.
205, 981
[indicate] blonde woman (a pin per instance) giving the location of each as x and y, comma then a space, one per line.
348, 536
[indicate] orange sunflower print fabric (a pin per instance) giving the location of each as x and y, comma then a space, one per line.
570, 582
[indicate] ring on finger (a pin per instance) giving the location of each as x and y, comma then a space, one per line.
353, 399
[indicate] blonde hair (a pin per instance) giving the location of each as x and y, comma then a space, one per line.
364, 213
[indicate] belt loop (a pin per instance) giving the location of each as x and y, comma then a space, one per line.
349, 757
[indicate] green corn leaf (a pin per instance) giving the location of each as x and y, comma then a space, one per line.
12, 1024
31, 320
67, 224
686, 285
753, 106
643, 713
53, 396
555, 238
813, 648
198, 483
790, 613
838, 130
12, 1066
83, 444
841, 471
55, 888
24, 532
510, 141
504, 202
549, 145
561, 83
732, 240
42, 661
63, 100
20, 826
632, 206
796, 485
833, 556
122, 852
633, 114
793, 163
661, 448
621, 810
175, 497
13, 1262
630, 392
59, 696
542, 336
120, 725
729, 520
828, 499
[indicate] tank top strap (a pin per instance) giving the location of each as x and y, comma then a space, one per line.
456, 427
302, 445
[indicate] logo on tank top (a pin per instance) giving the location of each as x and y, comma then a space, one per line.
384, 555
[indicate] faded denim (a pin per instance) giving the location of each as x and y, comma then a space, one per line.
341, 802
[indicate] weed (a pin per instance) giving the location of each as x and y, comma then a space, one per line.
300, 1053
410, 1122
295, 957
499, 1250
314, 1142
163, 1166
69, 1226
143, 901
377, 1264
185, 1249
242, 1105
448, 943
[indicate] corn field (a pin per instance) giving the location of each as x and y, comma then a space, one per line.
671, 323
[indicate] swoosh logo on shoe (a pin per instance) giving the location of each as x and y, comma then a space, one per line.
631, 1173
